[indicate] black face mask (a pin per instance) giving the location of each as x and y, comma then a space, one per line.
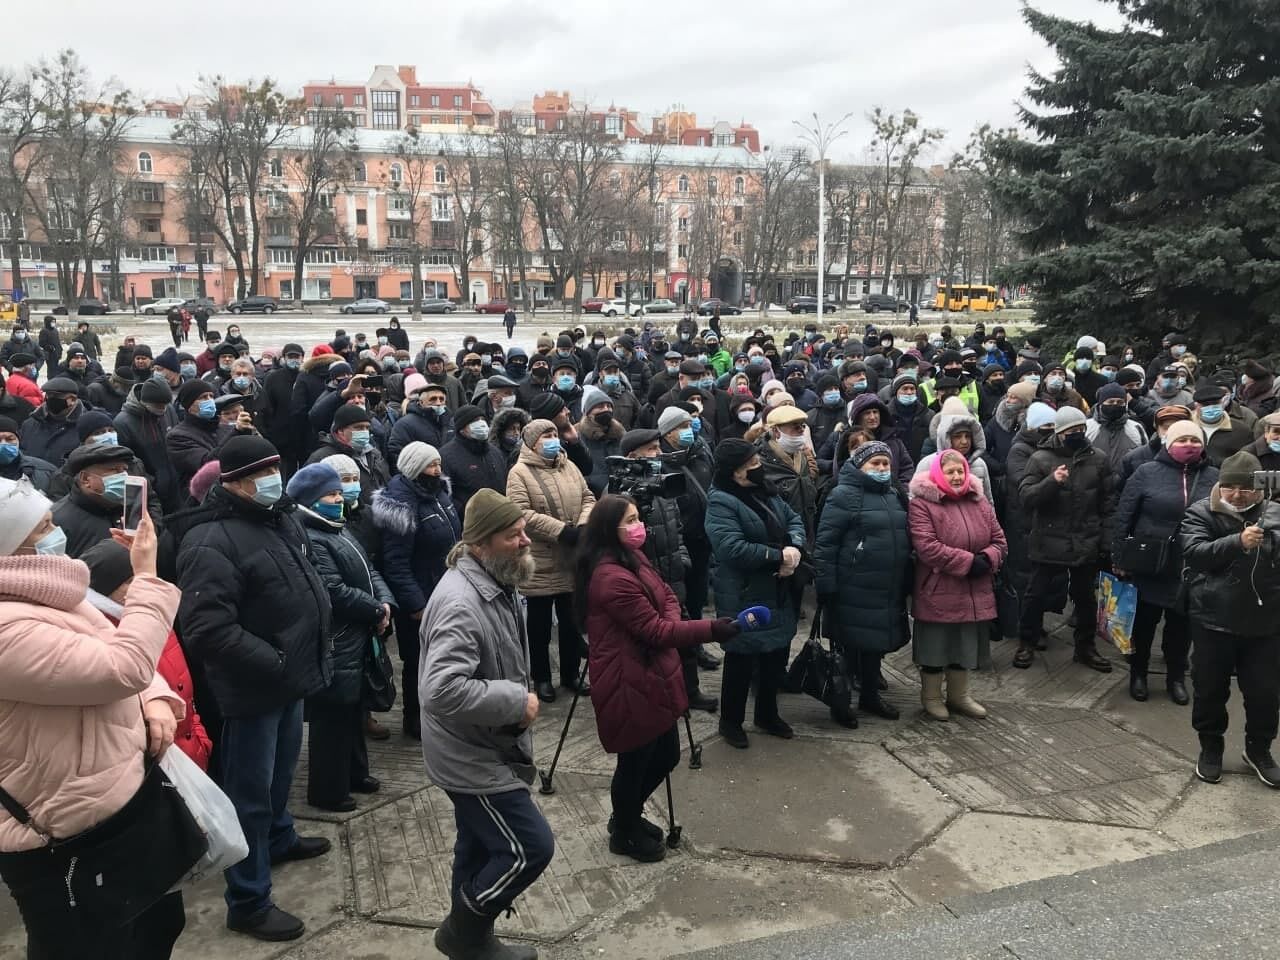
516, 369
756, 476
508, 443
56, 404
957, 372
1112, 414
430, 485
1074, 441
603, 419
539, 374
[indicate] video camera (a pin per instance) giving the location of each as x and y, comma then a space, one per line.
644, 479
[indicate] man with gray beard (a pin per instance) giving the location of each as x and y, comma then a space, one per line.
477, 712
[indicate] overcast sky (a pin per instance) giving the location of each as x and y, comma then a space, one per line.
763, 61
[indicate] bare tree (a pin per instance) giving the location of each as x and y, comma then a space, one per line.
781, 211
411, 186
198, 192
470, 176
21, 124
897, 145
507, 212
234, 132
318, 163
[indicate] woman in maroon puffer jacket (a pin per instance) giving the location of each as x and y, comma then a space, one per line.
633, 627
959, 547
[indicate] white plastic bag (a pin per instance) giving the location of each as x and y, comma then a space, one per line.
212, 811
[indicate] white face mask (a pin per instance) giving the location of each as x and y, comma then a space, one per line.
1233, 508
791, 444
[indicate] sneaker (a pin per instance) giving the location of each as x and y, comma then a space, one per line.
1259, 759
734, 736
638, 846
1209, 766
272, 925
304, 848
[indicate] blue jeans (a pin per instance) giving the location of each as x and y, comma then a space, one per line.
503, 845
259, 755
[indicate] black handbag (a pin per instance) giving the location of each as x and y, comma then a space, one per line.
116, 870
819, 672
1145, 556
379, 687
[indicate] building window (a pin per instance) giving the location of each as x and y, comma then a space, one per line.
204, 255
386, 119
682, 224
435, 100
415, 119
435, 119
613, 124
398, 203
357, 100
396, 174
415, 100
150, 193
457, 119
278, 228
682, 251
317, 99
813, 258
275, 168
682, 185
441, 208
325, 200
151, 225
739, 186
737, 238
440, 173
737, 214
619, 236
339, 100
144, 162
158, 254
362, 217
713, 184
542, 123
360, 172
398, 231
457, 101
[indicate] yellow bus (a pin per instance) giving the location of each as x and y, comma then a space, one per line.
968, 296
8, 309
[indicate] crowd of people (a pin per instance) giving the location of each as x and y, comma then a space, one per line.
635, 493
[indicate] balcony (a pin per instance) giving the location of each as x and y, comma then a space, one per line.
398, 243
150, 236
280, 240
400, 215
148, 208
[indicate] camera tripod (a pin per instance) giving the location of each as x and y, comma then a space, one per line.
547, 777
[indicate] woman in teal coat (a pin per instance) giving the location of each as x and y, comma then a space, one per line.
757, 540
862, 556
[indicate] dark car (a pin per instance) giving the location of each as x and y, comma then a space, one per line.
808, 305
198, 303
88, 307
875, 302
708, 307
493, 306
438, 305
254, 304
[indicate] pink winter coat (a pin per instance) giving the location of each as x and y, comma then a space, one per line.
946, 533
72, 688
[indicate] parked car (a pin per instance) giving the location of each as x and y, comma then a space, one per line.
593, 304
875, 302
708, 307
493, 306
365, 305
197, 303
660, 305
163, 305
809, 305
615, 307
438, 305
928, 303
87, 307
254, 304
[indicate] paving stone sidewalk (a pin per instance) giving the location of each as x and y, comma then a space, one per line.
1066, 775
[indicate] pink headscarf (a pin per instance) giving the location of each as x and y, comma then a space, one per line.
940, 480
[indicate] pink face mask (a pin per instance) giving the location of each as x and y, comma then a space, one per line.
633, 535
1185, 453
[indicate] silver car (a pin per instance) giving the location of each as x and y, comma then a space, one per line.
438, 305
366, 305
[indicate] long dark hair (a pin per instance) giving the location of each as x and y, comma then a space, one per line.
599, 541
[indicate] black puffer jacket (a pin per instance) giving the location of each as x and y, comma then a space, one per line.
1070, 522
471, 465
698, 466
356, 595
193, 443
307, 389
39, 472
374, 472
108, 394
1230, 589
1151, 507
664, 544
87, 519
603, 444
418, 530
419, 424
254, 611
143, 432
274, 419
50, 438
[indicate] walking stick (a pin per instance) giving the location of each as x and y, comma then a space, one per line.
674, 831
695, 749
548, 788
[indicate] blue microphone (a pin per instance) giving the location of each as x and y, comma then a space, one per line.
754, 618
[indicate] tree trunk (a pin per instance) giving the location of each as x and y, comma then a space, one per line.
15, 261
298, 261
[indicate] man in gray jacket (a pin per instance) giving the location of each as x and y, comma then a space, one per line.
476, 717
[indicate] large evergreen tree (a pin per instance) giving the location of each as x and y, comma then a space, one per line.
1150, 190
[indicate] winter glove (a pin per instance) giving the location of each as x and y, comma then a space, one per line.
568, 536
981, 566
724, 629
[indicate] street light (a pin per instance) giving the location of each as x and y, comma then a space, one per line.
821, 137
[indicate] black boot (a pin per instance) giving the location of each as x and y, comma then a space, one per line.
1257, 755
466, 935
845, 716
1177, 688
1138, 686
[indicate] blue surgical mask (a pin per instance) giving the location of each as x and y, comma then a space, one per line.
696, 423
188, 370
382, 341
351, 491
1273, 444
686, 437
550, 448
740, 367
757, 360
293, 363
267, 489
907, 400
403, 364
1033, 379
241, 382
108, 439
207, 409
673, 368
53, 543
1108, 374
439, 409
810, 335
831, 398
330, 511
1212, 413
157, 375
911, 372
858, 386
1182, 382
1055, 383
884, 476
479, 430
8, 452
612, 380
113, 486
361, 440
707, 383
565, 382
1168, 383
1083, 365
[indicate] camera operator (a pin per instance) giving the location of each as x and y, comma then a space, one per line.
664, 541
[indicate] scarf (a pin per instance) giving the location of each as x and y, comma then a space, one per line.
939, 479
48, 581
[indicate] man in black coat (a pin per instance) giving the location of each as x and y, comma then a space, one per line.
470, 461
141, 425
274, 408
50, 432
196, 440
256, 614
352, 434
427, 419
1068, 491
307, 389
93, 505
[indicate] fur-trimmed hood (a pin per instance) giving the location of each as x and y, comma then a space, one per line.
503, 418
321, 363
397, 515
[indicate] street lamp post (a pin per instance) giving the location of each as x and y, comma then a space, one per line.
821, 137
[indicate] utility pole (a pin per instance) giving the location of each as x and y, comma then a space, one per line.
821, 138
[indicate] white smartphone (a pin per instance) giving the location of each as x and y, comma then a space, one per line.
135, 503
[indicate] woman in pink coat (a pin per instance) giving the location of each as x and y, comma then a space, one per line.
959, 546
80, 702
